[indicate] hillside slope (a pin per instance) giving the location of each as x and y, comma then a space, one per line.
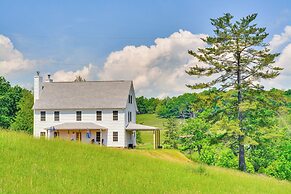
39, 166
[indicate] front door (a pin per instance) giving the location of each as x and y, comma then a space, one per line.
78, 136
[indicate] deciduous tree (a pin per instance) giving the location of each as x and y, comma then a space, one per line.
24, 117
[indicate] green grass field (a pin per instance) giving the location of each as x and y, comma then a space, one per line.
29, 165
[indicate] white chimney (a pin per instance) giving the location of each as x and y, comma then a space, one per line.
49, 79
37, 86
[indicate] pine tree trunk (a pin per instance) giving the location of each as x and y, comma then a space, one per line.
242, 163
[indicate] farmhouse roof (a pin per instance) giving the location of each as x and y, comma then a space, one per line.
84, 95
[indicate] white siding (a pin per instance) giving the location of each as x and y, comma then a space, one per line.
87, 116
130, 108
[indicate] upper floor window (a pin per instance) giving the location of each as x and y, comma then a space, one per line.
79, 115
130, 99
99, 115
57, 115
42, 115
115, 115
129, 117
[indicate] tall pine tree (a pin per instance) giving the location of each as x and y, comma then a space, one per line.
238, 58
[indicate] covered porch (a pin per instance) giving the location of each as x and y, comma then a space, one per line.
79, 131
156, 132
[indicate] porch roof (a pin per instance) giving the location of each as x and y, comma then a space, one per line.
138, 127
76, 125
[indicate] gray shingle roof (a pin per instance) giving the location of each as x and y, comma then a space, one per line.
84, 95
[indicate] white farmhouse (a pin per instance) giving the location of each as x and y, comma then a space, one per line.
98, 112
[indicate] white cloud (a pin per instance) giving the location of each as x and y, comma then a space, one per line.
158, 69
284, 79
279, 40
12, 60
282, 44
85, 73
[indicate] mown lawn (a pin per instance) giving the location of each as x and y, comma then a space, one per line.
30, 165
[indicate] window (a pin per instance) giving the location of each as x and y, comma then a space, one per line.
99, 115
42, 134
115, 115
57, 115
79, 115
98, 136
42, 115
129, 117
115, 136
130, 99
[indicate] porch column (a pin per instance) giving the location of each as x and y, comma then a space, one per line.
100, 137
158, 139
154, 138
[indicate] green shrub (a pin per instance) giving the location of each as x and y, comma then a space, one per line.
281, 168
138, 137
207, 155
250, 167
226, 158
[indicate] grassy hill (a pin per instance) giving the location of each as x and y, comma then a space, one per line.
30, 165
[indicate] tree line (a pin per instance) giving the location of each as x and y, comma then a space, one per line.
179, 107
15, 107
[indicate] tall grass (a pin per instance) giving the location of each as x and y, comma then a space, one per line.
30, 165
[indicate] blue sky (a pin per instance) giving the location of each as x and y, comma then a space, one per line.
68, 35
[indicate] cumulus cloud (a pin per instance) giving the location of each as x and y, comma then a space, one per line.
284, 79
281, 43
85, 73
279, 40
12, 60
158, 69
